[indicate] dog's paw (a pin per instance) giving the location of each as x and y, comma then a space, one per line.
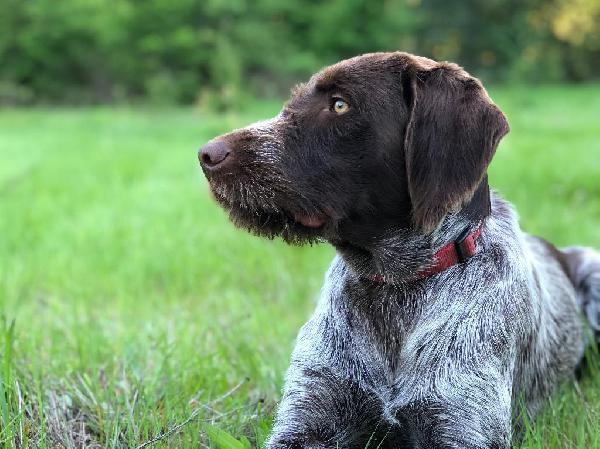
299, 443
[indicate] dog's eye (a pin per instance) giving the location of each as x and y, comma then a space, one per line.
339, 106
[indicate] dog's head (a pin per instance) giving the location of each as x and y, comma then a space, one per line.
379, 141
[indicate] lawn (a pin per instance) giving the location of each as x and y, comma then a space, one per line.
129, 303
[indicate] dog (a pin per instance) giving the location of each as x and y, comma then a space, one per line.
440, 322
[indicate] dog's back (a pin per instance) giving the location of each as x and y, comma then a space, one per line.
567, 283
583, 265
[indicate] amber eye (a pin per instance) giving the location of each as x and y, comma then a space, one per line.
339, 106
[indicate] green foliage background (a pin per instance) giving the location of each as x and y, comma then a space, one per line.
211, 51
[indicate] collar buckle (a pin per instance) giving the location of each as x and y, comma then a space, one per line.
465, 244
462, 250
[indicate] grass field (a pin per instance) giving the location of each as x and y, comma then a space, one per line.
129, 303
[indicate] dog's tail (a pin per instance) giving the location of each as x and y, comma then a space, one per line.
584, 269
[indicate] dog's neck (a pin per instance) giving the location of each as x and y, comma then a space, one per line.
399, 254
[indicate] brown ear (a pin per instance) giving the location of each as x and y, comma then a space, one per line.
451, 137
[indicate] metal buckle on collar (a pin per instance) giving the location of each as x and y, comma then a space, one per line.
462, 250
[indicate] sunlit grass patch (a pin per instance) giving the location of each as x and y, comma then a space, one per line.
137, 305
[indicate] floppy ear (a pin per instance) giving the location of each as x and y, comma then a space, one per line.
452, 135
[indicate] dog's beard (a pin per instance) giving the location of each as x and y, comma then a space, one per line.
265, 208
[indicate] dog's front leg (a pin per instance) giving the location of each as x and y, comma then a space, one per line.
321, 410
466, 412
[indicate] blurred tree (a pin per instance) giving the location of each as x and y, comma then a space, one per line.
572, 28
182, 51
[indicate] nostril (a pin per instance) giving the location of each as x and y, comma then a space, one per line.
205, 158
213, 154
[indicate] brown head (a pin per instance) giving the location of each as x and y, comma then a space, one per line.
380, 141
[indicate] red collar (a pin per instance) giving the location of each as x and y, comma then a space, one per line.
455, 252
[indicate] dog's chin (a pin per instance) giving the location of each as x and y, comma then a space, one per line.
272, 222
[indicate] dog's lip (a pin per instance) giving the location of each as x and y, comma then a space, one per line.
313, 221
308, 220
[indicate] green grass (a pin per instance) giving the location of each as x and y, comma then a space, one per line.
128, 302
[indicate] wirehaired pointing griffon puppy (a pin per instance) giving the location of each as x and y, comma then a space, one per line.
439, 317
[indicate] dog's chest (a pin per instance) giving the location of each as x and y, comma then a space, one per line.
423, 328
382, 319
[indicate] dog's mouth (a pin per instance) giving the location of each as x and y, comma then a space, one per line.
314, 221
267, 217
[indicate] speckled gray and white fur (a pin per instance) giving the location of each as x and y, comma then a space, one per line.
584, 270
440, 362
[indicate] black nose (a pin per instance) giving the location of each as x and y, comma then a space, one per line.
214, 154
